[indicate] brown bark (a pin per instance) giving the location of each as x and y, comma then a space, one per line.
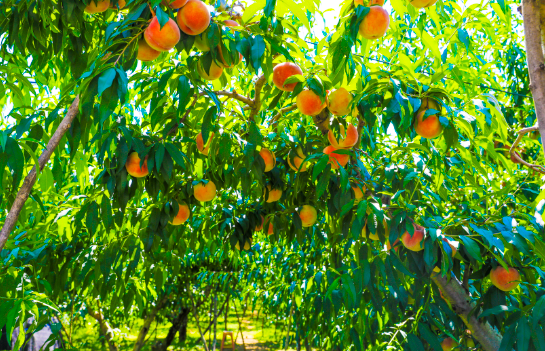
531, 14
30, 179
462, 305
141, 339
104, 326
178, 324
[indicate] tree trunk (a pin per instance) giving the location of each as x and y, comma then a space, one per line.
531, 14
104, 327
30, 179
141, 339
307, 345
182, 336
177, 325
289, 324
462, 305
215, 319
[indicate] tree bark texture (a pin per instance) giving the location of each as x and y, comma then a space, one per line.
178, 324
462, 304
30, 179
141, 339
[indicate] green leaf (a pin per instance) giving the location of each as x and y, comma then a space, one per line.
92, 220
16, 160
176, 154
471, 247
257, 51
497, 310
105, 80
207, 123
414, 343
509, 338
162, 17
429, 336
523, 334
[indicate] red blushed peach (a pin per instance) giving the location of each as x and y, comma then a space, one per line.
308, 216
120, 4
270, 230
505, 279
146, 52
369, 2
203, 149
98, 6
214, 72
375, 23
269, 158
162, 39
336, 159
194, 17
176, 4
133, 166
420, 4
415, 242
348, 139
283, 71
448, 344
309, 103
430, 127
203, 192
274, 194
182, 215
359, 191
339, 101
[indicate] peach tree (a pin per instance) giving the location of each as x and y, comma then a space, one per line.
373, 176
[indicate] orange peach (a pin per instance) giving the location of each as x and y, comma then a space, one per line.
430, 127
133, 166
204, 193
273, 194
283, 71
270, 230
309, 103
162, 39
98, 6
420, 4
415, 242
339, 101
182, 216
359, 191
375, 23
298, 165
348, 139
448, 344
336, 159
395, 246
369, 2
308, 216
203, 149
146, 52
214, 72
120, 4
269, 158
503, 279
175, 4
194, 17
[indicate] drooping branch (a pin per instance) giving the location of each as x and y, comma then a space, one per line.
462, 305
531, 14
256, 104
30, 179
516, 155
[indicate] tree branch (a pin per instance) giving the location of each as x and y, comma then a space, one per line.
531, 13
233, 95
256, 104
280, 113
515, 155
462, 305
141, 339
30, 179
105, 328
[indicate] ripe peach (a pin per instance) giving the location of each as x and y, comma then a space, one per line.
503, 279
274, 194
430, 127
205, 193
194, 17
395, 246
259, 227
182, 216
415, 242
308, 216
339, 101
309, 103
359, 191
297, 165
203, 149
214, 73
335, 159
348, 139
369, 3
146, 52
133, 166
270, 230
98, 6
448, 344
269, 158
175, 4
375, 23
283, 71
120, 4
162, 39
420, 4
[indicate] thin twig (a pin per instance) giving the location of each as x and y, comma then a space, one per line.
516, 155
